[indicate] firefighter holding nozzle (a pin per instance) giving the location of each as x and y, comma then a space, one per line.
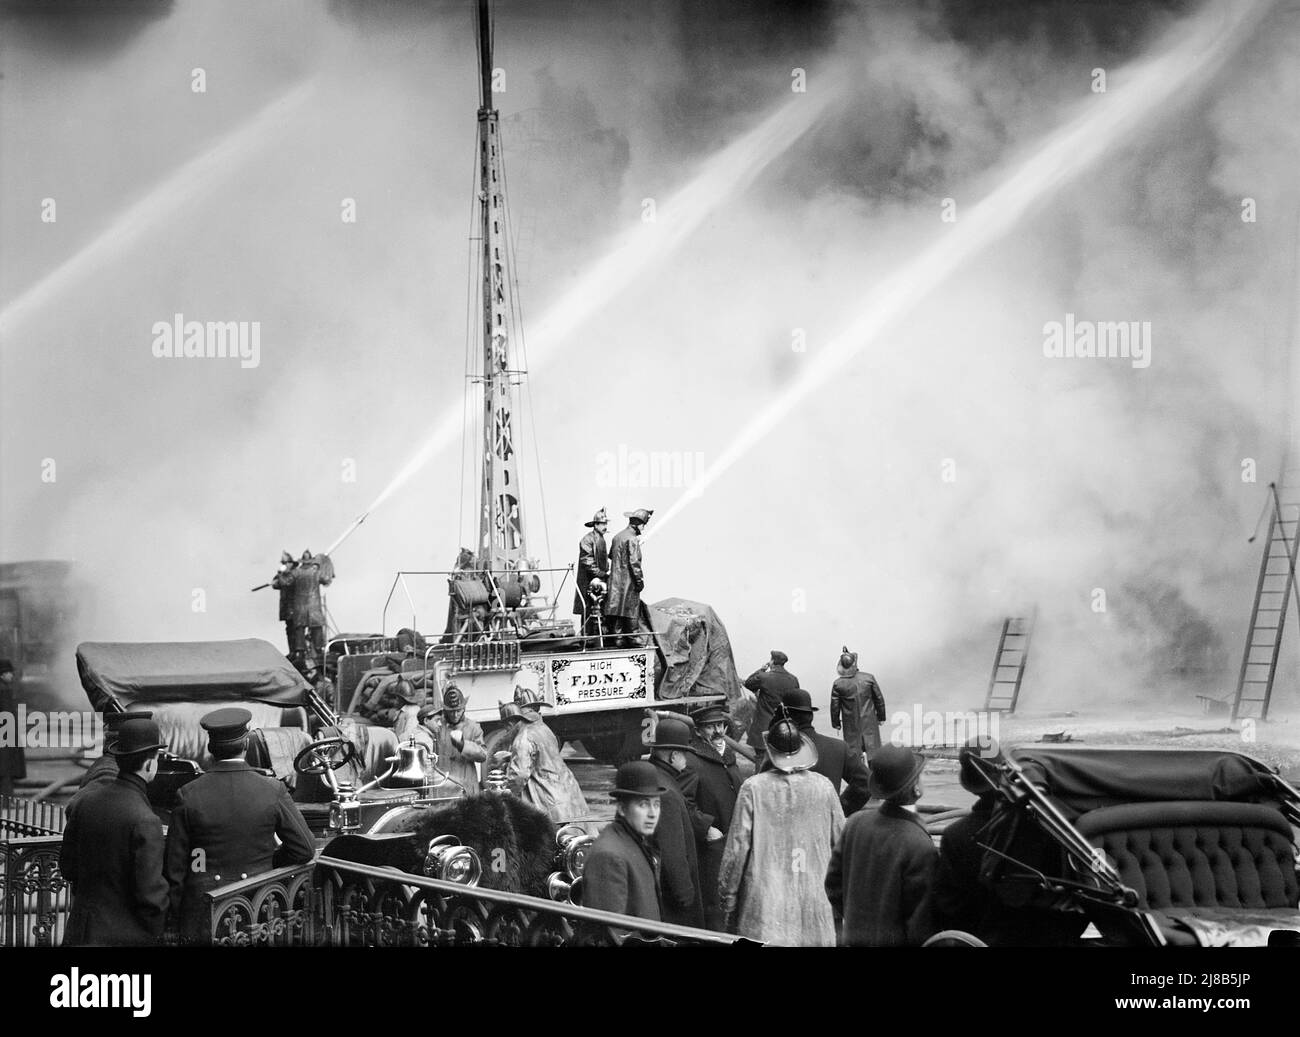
299, 582
593, 571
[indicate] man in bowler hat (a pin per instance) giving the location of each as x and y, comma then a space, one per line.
880, 874
622, 870
680, 822
104, 770
225, 825
112, 851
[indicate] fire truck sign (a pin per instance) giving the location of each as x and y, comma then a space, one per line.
583, 679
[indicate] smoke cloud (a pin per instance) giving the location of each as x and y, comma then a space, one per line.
951, 476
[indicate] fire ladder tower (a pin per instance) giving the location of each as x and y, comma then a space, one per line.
501, 523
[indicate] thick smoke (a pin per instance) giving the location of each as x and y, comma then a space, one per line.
1070, 476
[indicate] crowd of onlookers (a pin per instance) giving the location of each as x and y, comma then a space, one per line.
822, 845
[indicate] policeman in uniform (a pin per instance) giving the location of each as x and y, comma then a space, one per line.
225, 825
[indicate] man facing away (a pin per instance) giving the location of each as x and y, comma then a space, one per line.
112, 852
834, 761
768, 683
879, 877
225, 825
622, 869
857, 705
787, 820
626, 579
537, 771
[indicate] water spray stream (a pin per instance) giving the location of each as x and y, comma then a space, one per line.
722, 177
156, 209
1184, 66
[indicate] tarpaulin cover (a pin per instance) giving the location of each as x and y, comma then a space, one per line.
696, 648
187, 671
1080, 780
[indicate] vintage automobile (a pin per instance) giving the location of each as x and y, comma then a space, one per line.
1137, 847
348, 778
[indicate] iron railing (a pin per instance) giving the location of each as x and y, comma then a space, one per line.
25, 817
33, 892
337, 903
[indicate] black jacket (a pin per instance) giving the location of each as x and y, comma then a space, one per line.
113, 858
879, 879
222, 830
715, 795
681, 896
960, 901
768, 686
621, 874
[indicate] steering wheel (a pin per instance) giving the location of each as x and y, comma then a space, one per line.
319, 757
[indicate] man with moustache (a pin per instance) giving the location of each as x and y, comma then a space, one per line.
714, 762
622, 869
457, 741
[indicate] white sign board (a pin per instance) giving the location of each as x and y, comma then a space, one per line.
581, 680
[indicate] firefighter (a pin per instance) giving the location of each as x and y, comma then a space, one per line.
457, 740
593, 564
322, 685
307, 614
626, 579
225, 825
537, 771
283, 582
857, 706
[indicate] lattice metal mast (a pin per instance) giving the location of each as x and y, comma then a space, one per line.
501, 522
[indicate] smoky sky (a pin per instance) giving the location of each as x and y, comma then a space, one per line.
184, 476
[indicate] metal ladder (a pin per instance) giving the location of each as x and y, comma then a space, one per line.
1273, 593
1009, 664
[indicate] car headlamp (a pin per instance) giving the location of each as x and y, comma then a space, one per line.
448, 860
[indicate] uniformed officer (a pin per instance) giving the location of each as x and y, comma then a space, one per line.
225, 825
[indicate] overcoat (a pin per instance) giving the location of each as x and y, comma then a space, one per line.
768, 685
112, 857
626, 580
593, 562
621, 874
679, 870
858, 709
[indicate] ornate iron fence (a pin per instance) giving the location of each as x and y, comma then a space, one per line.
22, 817
337, 903
32, 891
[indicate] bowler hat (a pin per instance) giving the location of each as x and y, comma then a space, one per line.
641, 515
597, 518
672, 733
779, 657
636, 779
789, 749
894, 769
796, 700
227, 726
136, 736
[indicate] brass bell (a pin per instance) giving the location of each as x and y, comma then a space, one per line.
408, 770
